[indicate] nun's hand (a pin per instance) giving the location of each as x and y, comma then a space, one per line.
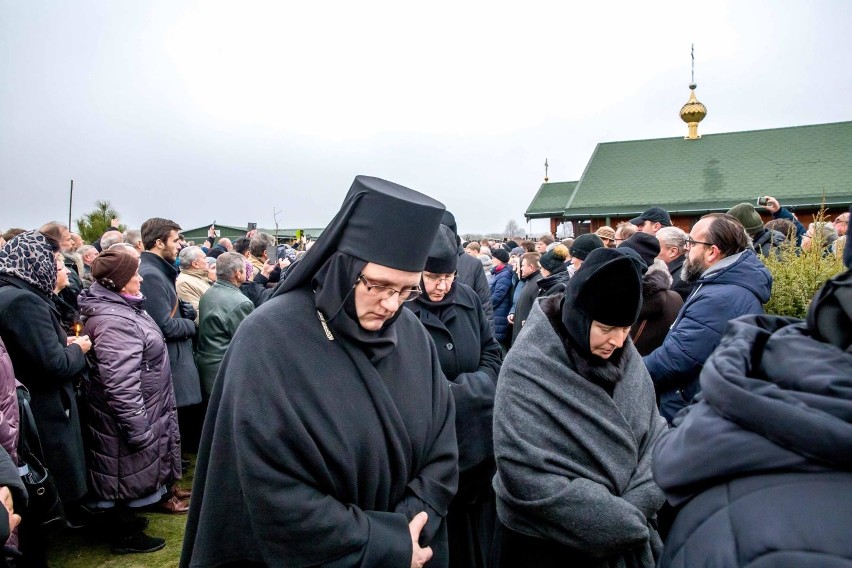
419, 556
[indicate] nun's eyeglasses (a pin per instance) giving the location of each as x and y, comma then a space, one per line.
405, 295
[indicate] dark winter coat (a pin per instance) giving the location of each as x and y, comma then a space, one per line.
158, 287
684, 289
470, 273
9, 477
767, 240
221, 311
660, 307
50, 369
501, 300
309, 456
470, 358
133, 444
738, 285
573, 460
553, 285
9, 417
761, 467
525, 302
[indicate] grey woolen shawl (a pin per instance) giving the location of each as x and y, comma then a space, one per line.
573, 463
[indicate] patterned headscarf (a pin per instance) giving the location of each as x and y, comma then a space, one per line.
30, 257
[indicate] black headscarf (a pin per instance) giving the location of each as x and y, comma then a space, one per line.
607, 288
358, 234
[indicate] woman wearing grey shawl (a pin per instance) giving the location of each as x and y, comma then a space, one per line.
575, 421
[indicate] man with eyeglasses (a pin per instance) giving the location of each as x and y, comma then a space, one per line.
730, 281
330, 436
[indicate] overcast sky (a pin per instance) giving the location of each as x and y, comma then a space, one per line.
215, 110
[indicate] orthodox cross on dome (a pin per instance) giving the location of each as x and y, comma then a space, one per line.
546, 179
693, 111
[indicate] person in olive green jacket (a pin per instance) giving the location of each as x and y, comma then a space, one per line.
221, 310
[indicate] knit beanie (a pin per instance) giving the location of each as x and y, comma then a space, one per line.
500, 254
747, 216
646, 245
584, 244
554, 258
113, 269
443, 254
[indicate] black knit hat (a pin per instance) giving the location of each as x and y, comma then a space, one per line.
607, 288
584, 244
443, 255
113, 269
500, 254
646, 245
555, 258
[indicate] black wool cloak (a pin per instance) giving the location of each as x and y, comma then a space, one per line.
314, 455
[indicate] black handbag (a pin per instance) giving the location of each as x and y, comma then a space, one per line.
44, 507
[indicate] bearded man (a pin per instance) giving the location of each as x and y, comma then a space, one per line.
730, 281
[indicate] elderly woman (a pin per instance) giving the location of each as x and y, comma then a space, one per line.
470, 359
45, 360
575, 421
133, 440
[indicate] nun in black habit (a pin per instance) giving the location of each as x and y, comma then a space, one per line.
325, 455
470, 358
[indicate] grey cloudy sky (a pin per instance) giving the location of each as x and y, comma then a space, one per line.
225, 110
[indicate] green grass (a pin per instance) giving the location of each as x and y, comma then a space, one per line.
84, 549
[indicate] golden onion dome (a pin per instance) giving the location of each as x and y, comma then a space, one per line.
693, 110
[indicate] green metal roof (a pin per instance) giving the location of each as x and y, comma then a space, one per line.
796, 164
551, 199
233, 232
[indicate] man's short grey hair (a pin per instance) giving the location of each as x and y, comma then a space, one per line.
673, 237
132, 236
85, 249
259, 242
227, 264
188, 255
110, 238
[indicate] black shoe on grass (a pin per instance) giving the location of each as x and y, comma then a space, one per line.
138, 543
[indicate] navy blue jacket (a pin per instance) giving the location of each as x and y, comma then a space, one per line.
501, 300
741, 287
761, 468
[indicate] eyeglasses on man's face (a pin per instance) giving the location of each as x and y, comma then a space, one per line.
439, 278
407, 294
690, 242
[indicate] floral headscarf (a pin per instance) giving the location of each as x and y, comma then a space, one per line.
29, 256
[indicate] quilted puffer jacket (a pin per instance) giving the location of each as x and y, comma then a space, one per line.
9, 419
133, 443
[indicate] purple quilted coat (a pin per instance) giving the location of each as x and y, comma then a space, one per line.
8, 405
131, 428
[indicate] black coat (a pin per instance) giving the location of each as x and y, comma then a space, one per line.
36, 342
660, 307
470, 358
158, 287
525, 301
309, 456
471, 273
678, 285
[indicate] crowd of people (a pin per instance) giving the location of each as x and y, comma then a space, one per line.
418, 400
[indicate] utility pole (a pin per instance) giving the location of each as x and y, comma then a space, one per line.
70, 204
